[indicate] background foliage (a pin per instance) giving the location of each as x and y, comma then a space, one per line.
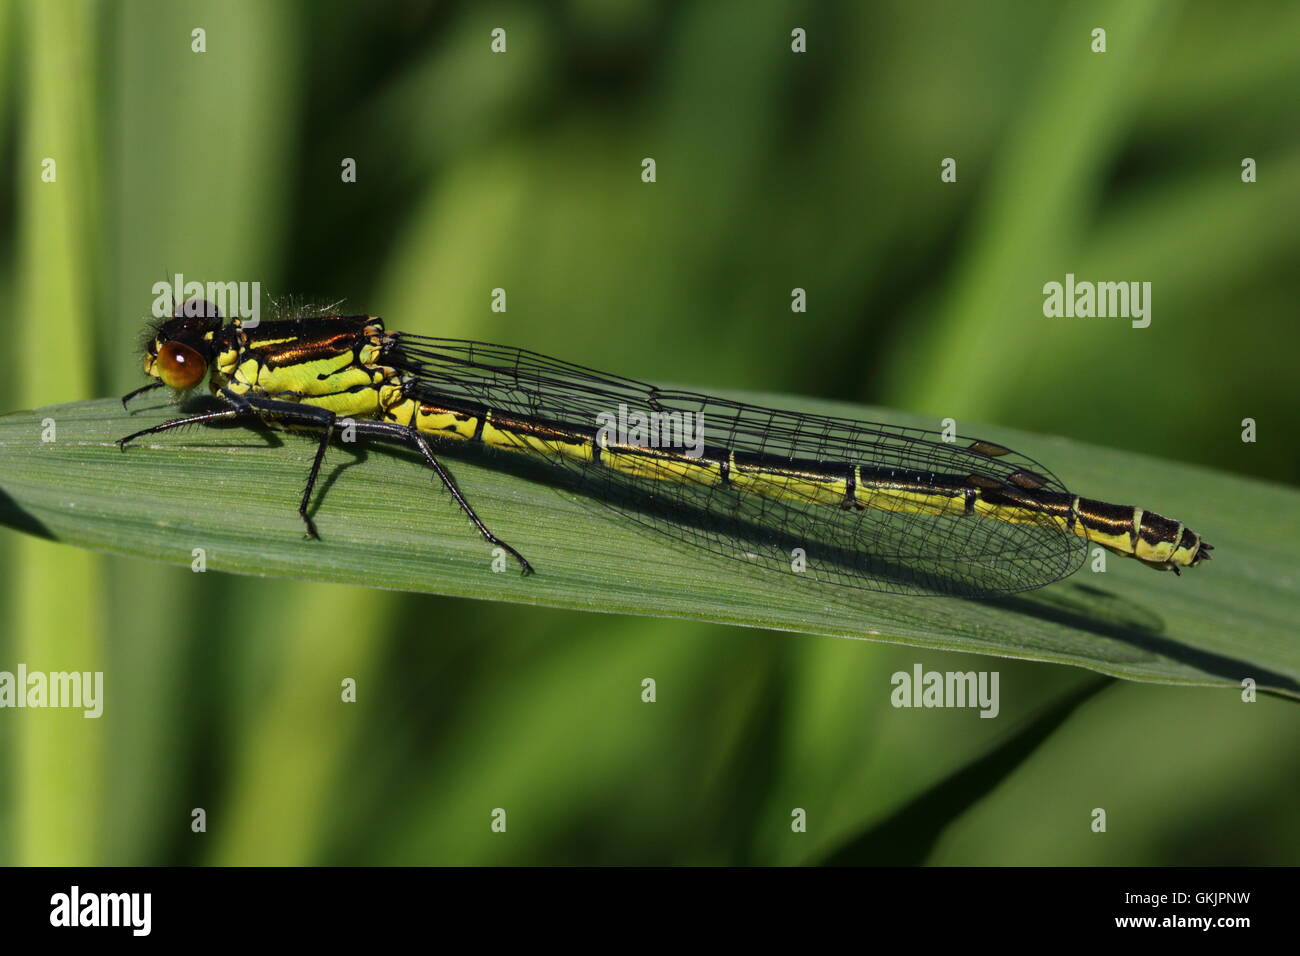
522, 171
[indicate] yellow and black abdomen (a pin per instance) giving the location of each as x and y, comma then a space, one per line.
1151, 538
1155, 540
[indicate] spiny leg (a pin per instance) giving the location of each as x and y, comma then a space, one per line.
241, 408
395, 432
244, 407
327, 430
293, 413
223, 414
140, 391
290, 412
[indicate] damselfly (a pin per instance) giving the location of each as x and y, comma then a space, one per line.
845, 503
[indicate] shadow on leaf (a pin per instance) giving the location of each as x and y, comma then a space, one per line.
908, 836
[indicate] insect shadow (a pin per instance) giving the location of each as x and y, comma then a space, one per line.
1068, 604
700, 519
1086, 607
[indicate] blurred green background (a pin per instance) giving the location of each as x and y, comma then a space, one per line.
522, 170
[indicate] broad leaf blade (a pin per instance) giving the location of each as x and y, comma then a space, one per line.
384, 521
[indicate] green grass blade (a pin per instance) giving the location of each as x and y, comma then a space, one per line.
384, 522
57, 763
907, 837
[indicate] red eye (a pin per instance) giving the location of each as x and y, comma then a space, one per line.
180, 366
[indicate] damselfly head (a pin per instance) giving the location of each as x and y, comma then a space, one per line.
178, 350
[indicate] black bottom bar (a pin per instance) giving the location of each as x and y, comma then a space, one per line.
913, 907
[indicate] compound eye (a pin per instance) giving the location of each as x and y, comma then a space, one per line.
180, 366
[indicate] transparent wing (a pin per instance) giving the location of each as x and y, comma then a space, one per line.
782, 529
